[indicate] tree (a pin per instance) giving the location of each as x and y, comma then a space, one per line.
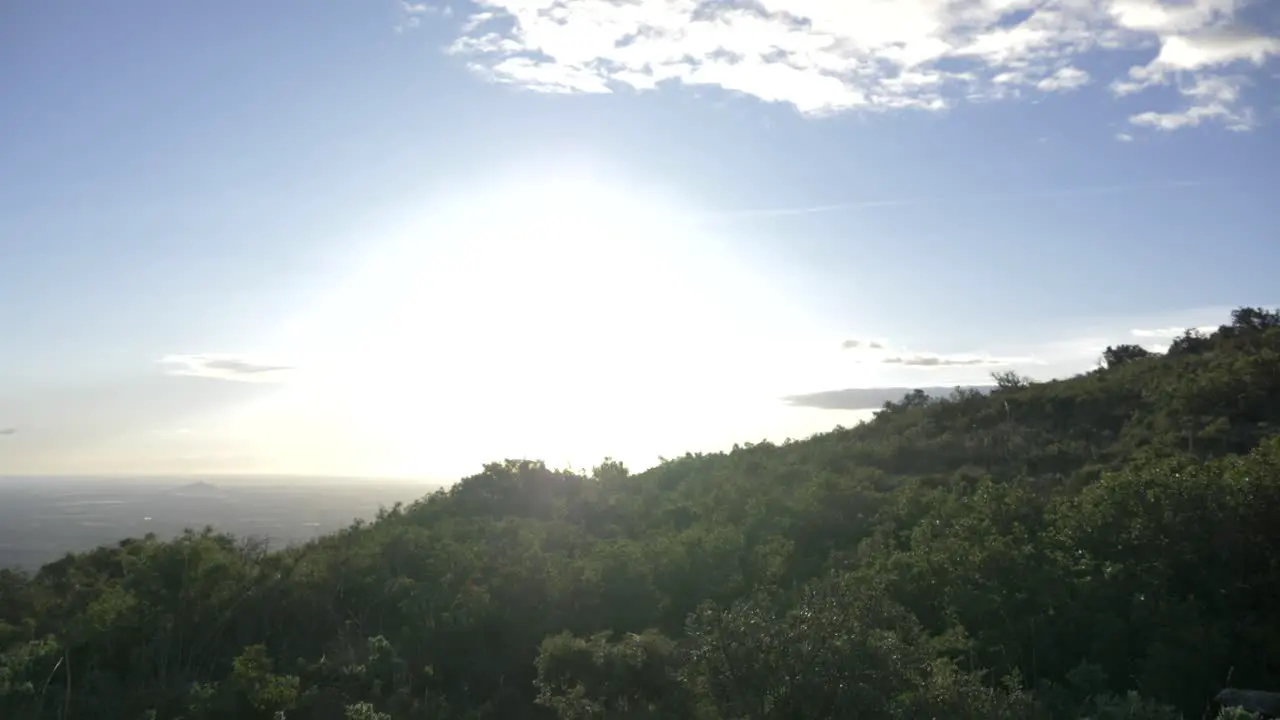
1010, 380
1255, 319
1115, 356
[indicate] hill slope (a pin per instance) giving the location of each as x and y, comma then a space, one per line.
1037, 551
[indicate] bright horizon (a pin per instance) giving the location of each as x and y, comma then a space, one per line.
404, 240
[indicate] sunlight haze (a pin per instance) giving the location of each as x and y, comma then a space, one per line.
406, 239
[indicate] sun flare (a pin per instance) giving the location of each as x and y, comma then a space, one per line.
562, 321
533, 321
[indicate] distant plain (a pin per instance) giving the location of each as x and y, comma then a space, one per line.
42, 518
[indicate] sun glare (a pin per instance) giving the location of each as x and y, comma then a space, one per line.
564, 321
539, 320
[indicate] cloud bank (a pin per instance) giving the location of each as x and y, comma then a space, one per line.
826, 57
225, 367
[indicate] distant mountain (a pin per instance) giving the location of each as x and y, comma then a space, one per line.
870, 398
199, 488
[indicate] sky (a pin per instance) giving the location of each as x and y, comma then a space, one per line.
370, 237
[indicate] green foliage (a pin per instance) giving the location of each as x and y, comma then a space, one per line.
1235, 714
636, 676
841, 649
1099, 547
263, 690
364, 711
1115, 356
1130, 706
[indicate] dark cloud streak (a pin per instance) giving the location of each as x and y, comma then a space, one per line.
224, 367
865, 398
245, 367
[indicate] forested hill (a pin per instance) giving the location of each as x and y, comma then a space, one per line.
1106, 546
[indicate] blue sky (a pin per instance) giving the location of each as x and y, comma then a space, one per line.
397, 238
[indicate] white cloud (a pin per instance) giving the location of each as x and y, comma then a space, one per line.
823, 56
1124, 137
1190, 117
1163, 17
1217, 46
1210, 98
1207, 68
225, 367
542, 77
1158, 339
1168, 333
1066, 78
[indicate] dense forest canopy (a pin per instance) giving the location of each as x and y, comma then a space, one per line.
1103, 546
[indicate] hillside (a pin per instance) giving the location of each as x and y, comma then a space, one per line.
1100, 546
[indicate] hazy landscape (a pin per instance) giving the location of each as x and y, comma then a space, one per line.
1097, 547
761, 360
42, 518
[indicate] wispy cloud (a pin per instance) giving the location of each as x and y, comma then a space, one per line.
853, 205
8, 431
880, 352
412, 13
1205, 54
828, 57
814, 209
929, 360
225, 367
